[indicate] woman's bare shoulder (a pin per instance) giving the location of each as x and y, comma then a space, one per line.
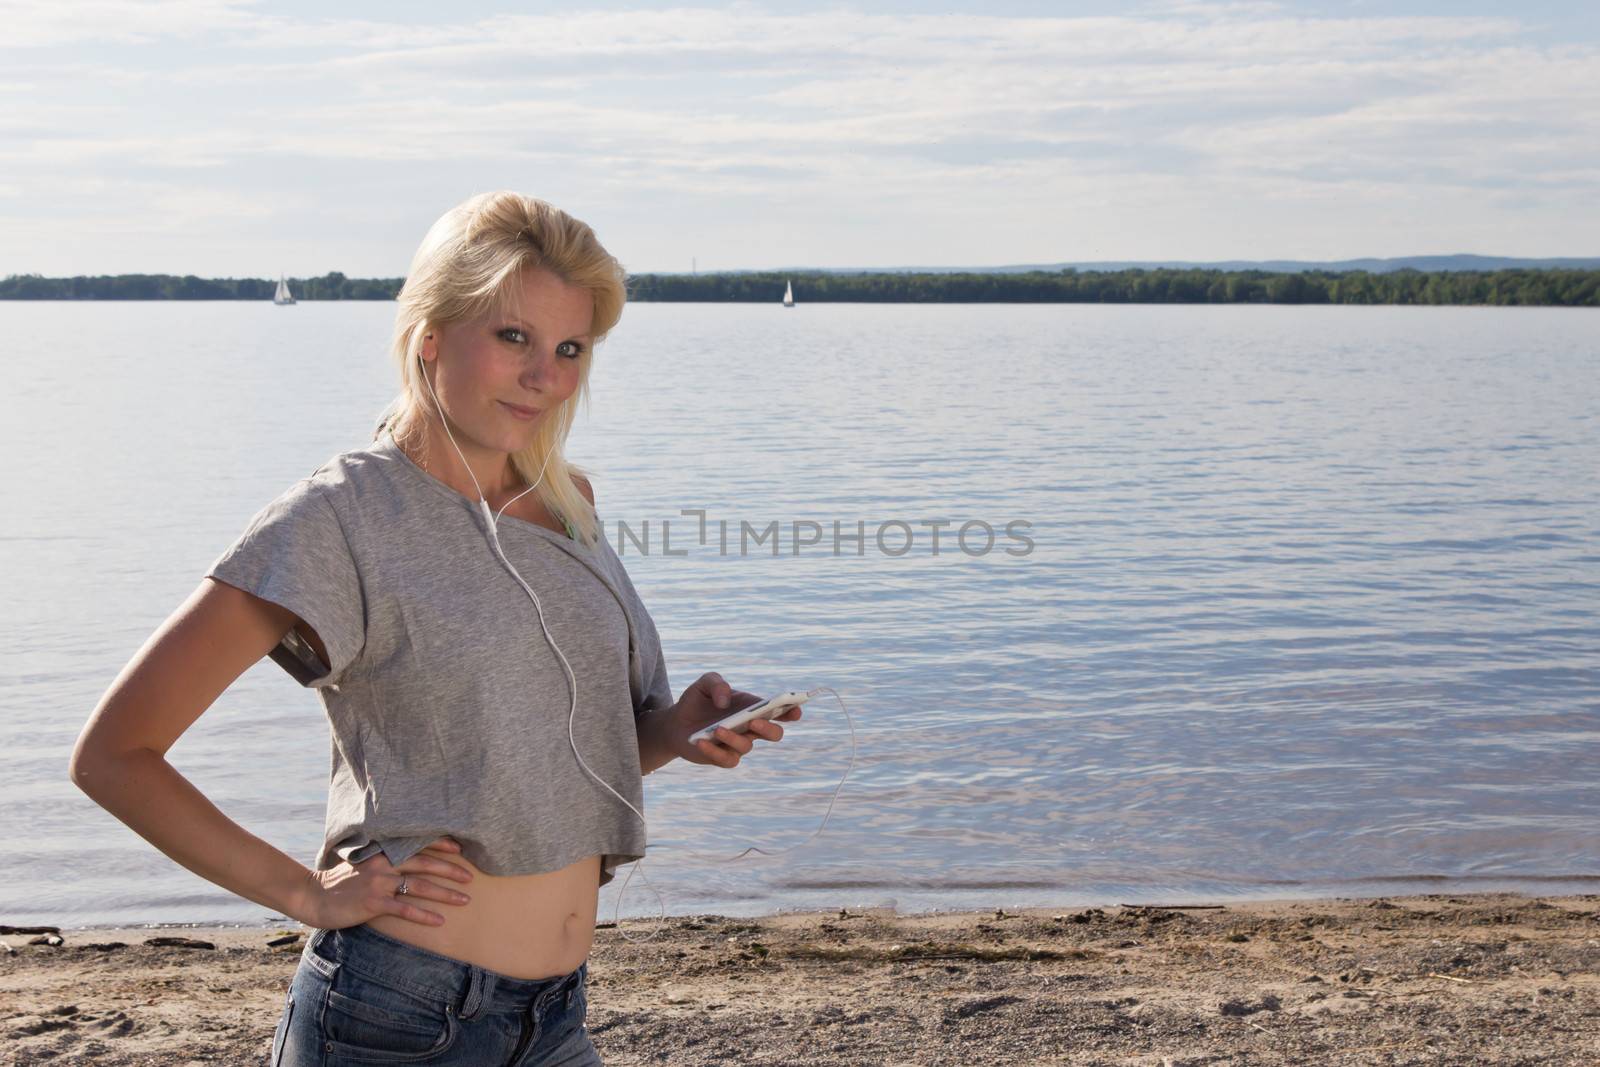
584, 487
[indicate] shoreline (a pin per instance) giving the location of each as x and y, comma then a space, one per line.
1506, 978
1332, 890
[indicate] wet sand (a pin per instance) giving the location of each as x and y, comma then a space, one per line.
1437, 979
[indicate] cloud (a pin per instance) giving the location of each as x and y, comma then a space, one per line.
1180, 104
53, 23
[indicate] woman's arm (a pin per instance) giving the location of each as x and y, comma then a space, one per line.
120, 756
655, 749
664, 732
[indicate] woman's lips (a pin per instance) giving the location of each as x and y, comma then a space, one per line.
520, 412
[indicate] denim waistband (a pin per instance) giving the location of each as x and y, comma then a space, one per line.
474, 990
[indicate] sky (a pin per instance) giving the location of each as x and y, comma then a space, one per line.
231, 138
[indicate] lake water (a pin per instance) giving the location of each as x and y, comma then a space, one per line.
1306, 604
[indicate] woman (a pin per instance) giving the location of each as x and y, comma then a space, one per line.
494, 686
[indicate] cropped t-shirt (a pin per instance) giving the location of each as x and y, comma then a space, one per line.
448, 709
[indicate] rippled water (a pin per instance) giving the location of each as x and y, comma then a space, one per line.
1309, 606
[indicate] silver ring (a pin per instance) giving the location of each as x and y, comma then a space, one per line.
403, 890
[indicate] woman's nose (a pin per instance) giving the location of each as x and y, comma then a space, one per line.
537, 368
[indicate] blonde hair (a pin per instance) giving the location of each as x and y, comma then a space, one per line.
469, 265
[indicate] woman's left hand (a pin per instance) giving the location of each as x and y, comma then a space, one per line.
707, 700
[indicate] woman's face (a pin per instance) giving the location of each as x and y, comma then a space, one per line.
481, 369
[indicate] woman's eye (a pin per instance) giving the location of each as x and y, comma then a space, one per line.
569, 349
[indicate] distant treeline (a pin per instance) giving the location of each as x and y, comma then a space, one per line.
1566, 288
331, 286
1546, 288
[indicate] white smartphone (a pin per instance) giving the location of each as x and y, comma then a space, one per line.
761, 709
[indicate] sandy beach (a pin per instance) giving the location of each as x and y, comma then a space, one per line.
1435, 979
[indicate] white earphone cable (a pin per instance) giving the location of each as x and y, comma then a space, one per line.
491, 519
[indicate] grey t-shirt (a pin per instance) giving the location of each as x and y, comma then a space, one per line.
447, 706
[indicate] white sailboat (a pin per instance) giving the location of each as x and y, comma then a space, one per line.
282, 296
788, 294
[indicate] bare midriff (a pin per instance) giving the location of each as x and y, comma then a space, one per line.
525, 926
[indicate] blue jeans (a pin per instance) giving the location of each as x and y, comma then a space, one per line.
361, 997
